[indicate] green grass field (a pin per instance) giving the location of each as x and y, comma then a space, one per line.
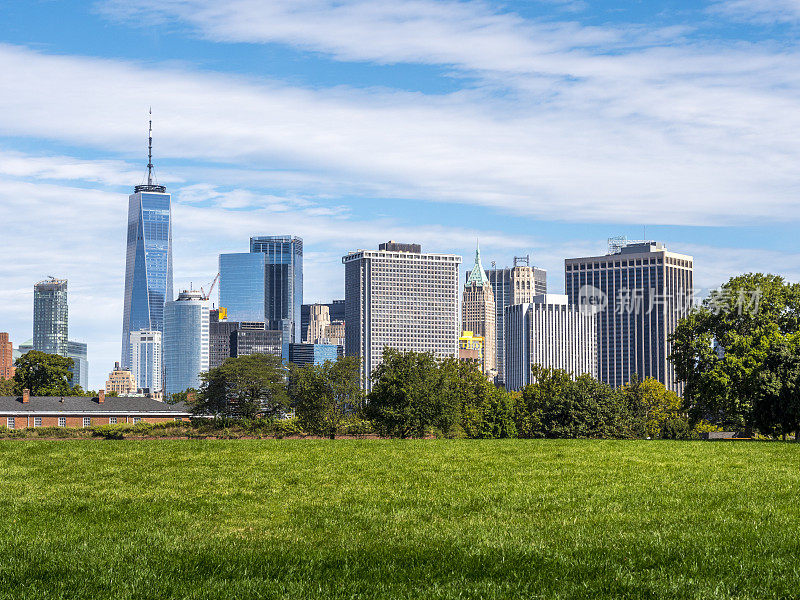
399, 519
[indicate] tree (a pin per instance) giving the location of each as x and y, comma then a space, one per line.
720, 349
243, 387
652, 406
403, 400
325, 395
776, 408
6, 387
486, 411
43, 374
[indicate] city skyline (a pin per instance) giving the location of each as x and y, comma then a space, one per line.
347, 143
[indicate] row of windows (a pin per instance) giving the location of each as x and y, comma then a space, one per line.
11, 422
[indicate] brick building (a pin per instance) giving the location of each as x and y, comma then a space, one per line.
77, 411
6, 357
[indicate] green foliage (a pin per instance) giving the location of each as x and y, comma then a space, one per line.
776, 408
721, 349
43, 374
243, 387
651, 405
325, 396
406, 394
7, 387
110, 432
180, 396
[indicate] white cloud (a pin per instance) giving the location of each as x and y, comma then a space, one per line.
658, 136
760, 11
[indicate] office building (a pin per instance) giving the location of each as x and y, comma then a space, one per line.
185, 341
222, 345
148, 258
313, 354
334, 314
256, 341
50, 316
400, 298
548, 332
471, 349
145, 360
121, 381
512, 285
78, 352
6, 357
478, 314
265, 284
640, 291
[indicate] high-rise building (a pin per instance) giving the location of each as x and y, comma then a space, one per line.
311, 312
145, 360
148, 259
121, 381
256, 341
6, 357
400, 298
640, 292
50, 316
283, 295
265, 284
185, 340
513, 286
479, 314
78, 352
313, 354
549, 333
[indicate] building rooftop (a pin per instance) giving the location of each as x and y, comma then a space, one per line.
80, 404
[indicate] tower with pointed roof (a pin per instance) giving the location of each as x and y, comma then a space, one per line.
148, 257
478, 312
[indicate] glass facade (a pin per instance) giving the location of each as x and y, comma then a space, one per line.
283, 282
148, 266
185, 341
78, 352
241, 286
50, 317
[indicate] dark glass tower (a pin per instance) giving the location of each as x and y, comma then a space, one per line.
283, 282
148, 264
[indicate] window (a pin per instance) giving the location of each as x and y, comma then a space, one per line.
136, 420
87, 421
10, 422
37, 421
178, 419
62, 421
112, 420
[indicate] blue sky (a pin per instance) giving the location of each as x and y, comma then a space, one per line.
540, 127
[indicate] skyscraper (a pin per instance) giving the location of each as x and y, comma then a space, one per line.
513, 286
148, 261
265, 284
50, 316
640, 292
283, 282
78, 352
185, 341
549, 333
6, 357
479, 314
145, 352
400, 298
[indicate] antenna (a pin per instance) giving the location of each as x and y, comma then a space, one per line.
150, 150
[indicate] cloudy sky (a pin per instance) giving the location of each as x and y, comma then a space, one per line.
540, 127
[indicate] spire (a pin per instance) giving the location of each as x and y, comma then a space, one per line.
150, 150
478, 275
150, 186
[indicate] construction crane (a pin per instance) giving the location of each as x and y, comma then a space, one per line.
211, 289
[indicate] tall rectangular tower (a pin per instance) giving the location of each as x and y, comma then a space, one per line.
513, 286
146, 365
6, 357
148, 259
50, 317
640, 292
283, 282
79, 353
400, 298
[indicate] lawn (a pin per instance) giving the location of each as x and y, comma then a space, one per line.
399, 519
